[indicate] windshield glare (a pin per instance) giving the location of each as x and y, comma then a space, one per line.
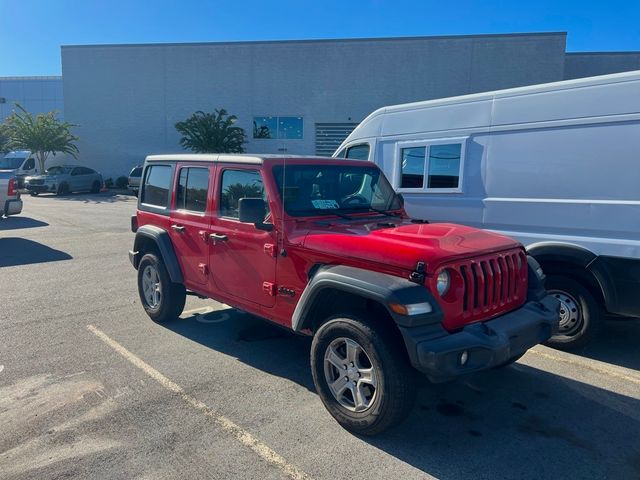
11, 163
310, 190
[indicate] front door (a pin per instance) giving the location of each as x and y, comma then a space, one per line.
190, 218
243, 257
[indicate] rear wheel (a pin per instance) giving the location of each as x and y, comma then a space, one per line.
162, 299
33, 193
362, 376
95, 188
580, 314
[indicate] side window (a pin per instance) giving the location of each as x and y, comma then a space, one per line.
29, 164
432, 166
412, 167
75, 171
359, 152
341, 153
156, 186
237, 184
193, 185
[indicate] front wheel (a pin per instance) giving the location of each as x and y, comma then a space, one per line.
162, 299
33, 193
580, 314
362, 376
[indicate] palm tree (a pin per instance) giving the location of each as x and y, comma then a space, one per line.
211, 133
42, 134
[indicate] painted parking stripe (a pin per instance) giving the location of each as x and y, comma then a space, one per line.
593, 365
223, 422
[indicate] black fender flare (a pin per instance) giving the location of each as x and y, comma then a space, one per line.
161, 238
380, 287
579, 257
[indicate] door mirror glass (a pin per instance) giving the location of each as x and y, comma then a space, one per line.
252, 210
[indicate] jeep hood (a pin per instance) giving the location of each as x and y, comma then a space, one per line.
406, 244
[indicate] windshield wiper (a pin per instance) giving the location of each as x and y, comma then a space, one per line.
383, 212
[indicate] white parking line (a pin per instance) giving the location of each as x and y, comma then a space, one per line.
223, 422
593, 365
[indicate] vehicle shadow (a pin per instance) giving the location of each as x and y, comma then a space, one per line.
20, 251
96, 198
15, 223
517, 422
618, 344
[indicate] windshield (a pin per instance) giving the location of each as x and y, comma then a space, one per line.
58, 170
11, 163
333, 189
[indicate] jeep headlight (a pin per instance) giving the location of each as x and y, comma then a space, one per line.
443, 282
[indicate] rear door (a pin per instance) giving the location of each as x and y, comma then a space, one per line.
243, 257
190, 221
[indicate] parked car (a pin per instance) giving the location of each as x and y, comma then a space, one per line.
65, 179
382, 295
134, 179
21, 163
555, 166
10, 203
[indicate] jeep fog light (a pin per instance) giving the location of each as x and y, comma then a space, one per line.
464, 356
442, 282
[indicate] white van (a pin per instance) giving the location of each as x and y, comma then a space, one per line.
22, 163
556, 166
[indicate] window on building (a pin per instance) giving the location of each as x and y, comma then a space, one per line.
286, 128
237, 184
193, 184
156, 185
358, 152
432, 166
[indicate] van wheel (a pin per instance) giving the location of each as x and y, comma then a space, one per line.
162, 299
33, 193
580, 314
95, 188
363, 378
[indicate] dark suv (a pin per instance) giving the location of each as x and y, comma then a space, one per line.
323, 246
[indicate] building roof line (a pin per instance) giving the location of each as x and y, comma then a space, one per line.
616, 52
324, 40
33, 77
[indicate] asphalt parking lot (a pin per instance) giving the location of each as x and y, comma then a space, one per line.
91, 388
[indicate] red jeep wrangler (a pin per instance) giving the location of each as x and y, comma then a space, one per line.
323, 247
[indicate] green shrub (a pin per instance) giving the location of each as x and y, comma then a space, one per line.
121, 182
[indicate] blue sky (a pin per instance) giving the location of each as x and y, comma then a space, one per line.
31, 31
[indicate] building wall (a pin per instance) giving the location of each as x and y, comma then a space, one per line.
127, 98
36, 94
579, 65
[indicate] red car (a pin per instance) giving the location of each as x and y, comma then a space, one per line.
323, 247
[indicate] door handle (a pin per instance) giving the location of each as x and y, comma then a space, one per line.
218, 236
178, 228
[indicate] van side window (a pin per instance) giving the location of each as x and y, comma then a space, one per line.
157, 182
358, 152
431, 166
237, 184
29, 164
193, 185
412, 167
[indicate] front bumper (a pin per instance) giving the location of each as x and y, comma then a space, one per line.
488, 344
40, 188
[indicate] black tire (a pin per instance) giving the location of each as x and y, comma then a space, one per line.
576, 300
33, 194
95, 188
63, 189
172, 295
395, 390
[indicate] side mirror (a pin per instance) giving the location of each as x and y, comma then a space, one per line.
253, 210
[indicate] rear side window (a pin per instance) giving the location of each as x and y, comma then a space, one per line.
156, 186
358, 152
193, 185
432, 166
412, 167
237, 184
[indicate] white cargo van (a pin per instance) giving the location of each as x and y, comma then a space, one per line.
22, 163
556, 166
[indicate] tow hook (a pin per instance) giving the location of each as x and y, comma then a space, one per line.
417, 276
